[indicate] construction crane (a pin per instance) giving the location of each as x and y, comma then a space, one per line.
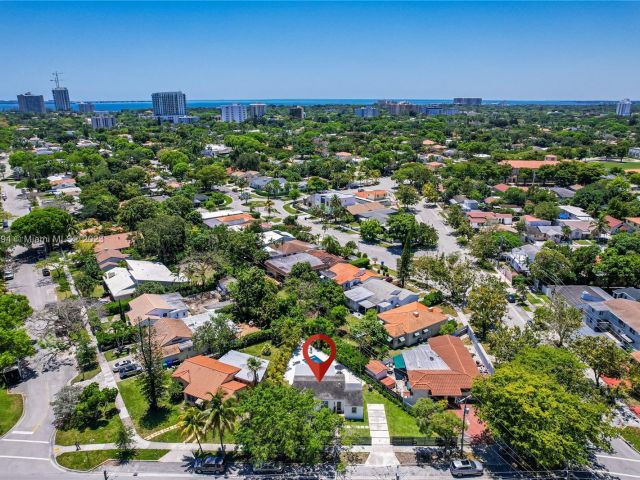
56, 78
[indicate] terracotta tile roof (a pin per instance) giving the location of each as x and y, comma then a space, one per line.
368, 193
345, 272
232, 218
203, 375
410, 318
117, 241
428, 142
103, 255
166, 330
388, 382
501, 187
291, 247
359, 208
376, 367
636, 355
532, 164
635, 220
140, 307
446, 383
612, 221
63, 181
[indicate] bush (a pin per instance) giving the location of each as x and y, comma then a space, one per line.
433, 298
350, 356
252, 339
174, 392
113, 308
362, 262
449, 328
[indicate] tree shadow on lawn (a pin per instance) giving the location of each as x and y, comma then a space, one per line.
155, 418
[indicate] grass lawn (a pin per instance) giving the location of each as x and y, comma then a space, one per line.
112, 354
533, 299
147, 422
173, 436
401, 424
631, 435
104, 431
289, 209
90, 459
624, 165
256, 350
82, 376
11, 410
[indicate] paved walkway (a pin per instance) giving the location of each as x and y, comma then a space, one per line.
108, 378
381, 449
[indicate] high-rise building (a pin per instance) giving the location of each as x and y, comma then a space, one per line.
61, 99
257, 110
29, 103
367, 112
103, 120
467, 101
297, 112
86, 107
624, 108
169, 103
233, 113
60, 95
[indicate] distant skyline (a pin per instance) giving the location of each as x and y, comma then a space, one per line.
236, 50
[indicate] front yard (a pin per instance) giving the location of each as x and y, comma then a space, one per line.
145, 421
401, 424
90, 459
104, 431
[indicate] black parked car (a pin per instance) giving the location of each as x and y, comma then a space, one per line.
209, 464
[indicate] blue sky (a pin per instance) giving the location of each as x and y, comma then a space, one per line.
495, 50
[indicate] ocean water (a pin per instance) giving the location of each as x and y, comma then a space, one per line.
118, 106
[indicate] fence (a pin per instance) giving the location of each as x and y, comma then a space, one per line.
415, 441
476, 344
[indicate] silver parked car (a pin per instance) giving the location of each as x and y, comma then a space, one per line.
118, 365
466, 468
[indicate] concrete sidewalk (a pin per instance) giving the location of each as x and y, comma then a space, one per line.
381, 449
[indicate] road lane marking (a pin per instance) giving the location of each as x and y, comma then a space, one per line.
618, 458
16, 457
25, 441
21, 432
618, 474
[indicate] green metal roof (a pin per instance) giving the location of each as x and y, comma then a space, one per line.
398, 361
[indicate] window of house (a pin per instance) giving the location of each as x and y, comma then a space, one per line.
354, 409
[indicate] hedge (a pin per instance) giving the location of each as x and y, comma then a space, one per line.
252, 339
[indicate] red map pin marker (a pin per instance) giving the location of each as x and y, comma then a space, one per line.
319, 368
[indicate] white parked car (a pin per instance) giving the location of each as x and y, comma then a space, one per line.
118, 365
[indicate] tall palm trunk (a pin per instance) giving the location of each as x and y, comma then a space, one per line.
221, 432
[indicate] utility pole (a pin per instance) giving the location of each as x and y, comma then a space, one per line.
464, 421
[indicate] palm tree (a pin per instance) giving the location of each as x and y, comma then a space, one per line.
254, 365
221, 415
600, 227
268, 206
191, 423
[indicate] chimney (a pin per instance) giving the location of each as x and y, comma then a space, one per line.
431, 309
416, 313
